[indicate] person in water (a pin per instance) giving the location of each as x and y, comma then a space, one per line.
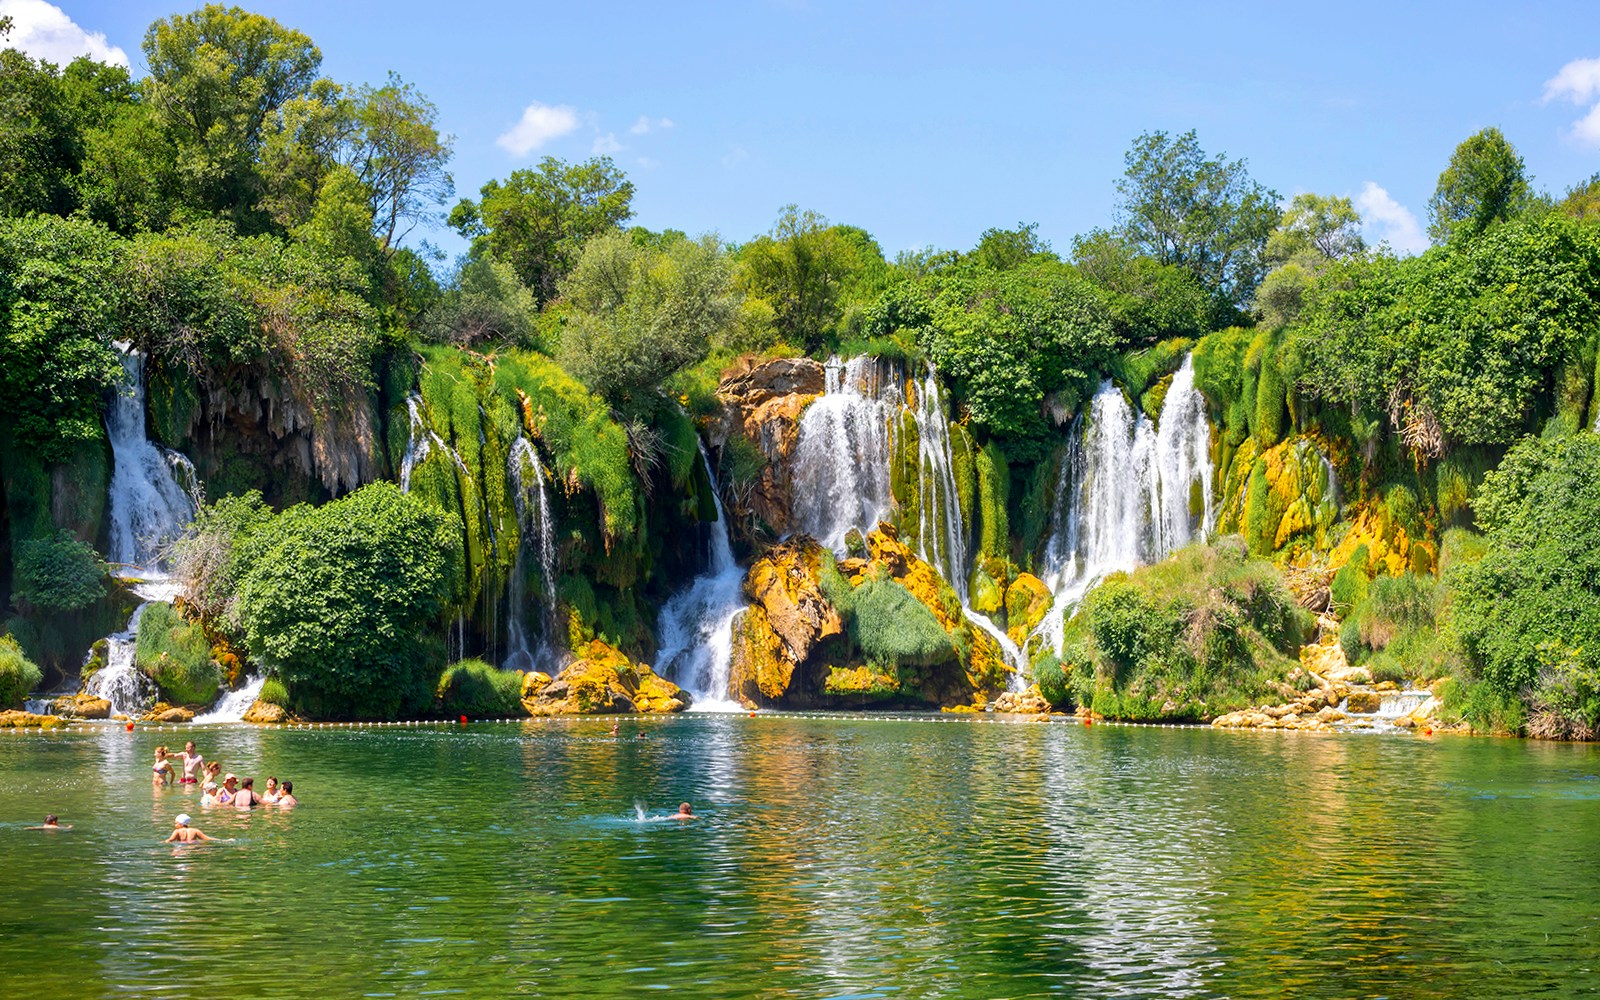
162, 768
286, 795
213, 772
270, 796
246, 796
208, 794
230, 787
51, 823
191, 760
684, 812
183, 833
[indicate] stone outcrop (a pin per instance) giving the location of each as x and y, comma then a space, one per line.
762, 401
164, 713
81, 706
788, 619
601, 681
1028, 600
18, 719
263, 713
1029, 702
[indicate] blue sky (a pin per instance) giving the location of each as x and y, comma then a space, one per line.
926, 123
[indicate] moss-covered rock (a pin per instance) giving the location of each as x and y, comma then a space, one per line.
1028, 600
601, 681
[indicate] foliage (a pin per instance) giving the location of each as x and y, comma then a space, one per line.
1203, 632
486, 305
643, 315
803, 269
1205, 215
1398, 629
58, 573
209, 560
477, 690
397, 153
1004, 249
273, 692
45, 113
1006, 339
1313, 232
18, 674
336, 600
539, 219
176, 655
1529, 611
1485, 182
61, 301
886, 621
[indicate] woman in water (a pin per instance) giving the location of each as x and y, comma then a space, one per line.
163, 767
208, 794
51, 824
246, 796
270, 796
183, 833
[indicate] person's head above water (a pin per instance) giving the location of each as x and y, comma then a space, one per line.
50, 819
182, 819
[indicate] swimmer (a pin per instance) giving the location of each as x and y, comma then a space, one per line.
270, 796
191, 760
208, 794
246, 796
183, 833
213, 772
286, 795
50, 823
162, 768
614, 725
229, 788
684, 812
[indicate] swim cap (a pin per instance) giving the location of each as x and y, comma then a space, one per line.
182, 820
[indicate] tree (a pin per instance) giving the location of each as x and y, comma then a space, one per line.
44, 115
800, 267
1485, 183
486, 305
1313, 232
1003, 249
62, 300
539, 219
643, 315
218, 77
58, 573
338, 599
1582, 201
1204, 215
1149, 300
397, 152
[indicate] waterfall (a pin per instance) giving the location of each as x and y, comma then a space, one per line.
421, 440
536, 522
696, 623
120, 681
843, 451
941, 534
1127, 492
232, 706
148, 507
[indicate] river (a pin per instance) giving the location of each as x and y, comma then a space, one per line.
906, 856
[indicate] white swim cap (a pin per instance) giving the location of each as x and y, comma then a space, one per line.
182, 820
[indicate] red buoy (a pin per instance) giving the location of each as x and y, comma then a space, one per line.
463, 720
130, 727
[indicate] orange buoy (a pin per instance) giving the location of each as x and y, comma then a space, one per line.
130, 727
463, 720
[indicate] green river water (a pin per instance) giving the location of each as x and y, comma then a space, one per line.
834, 857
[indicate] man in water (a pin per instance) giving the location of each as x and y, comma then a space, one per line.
51, 824
684, 812
286, 795
183, 833
191, 760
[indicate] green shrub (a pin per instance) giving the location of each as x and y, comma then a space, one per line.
891, 626
1350, 583
273, 693
475, 689
1054, 684
176, 655
18, 674
58, 573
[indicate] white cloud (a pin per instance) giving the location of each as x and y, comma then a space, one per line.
540, 123
1579, 83
648, 124
1387, 221
607, 144
44, 31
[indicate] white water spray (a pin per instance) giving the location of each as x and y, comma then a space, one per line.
232, 706
536, 521
696, 624
841, 459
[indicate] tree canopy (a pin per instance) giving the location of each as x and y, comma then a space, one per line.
1484, 183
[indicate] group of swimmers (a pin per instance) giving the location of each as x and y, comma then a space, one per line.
226, 790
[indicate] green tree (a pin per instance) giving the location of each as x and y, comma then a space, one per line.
44, 115
218, 78
338, 600
18, 674
539, 219
396, 151
486, 304
58, 574
1484, 183
1582, 201
1004, 249
643, 315
62, 301
1149, 300
1313, 232
1205, 215
801, 268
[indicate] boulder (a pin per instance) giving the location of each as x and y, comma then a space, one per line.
785, 584
762, 669
81, 706
1028, 600
601, 681
1363, 702
1029, 702
18, 719
165, 713
266, 714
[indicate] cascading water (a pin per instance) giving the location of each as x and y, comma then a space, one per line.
696, 624
421, 440
536, 520
147, 506
843, 451
232, 706
120, 681
1129, 492
941, 535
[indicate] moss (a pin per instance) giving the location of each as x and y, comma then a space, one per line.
963, 469
273, 692
1028, 600
176, 655
1138, 371
1155, 397
1269, 415
173, 404
475, 689
1349, 587
994, 478
862, 682
986, 596
905, 475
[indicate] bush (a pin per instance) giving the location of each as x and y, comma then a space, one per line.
475, 689
1053, 682
273, 693
176, 655
18, 674
891, 626
58, 573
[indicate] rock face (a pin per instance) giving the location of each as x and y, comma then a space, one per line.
601, 681
18, 719
81, 706
788, 619
262, 713
165, 713
762, 401
1029, 702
